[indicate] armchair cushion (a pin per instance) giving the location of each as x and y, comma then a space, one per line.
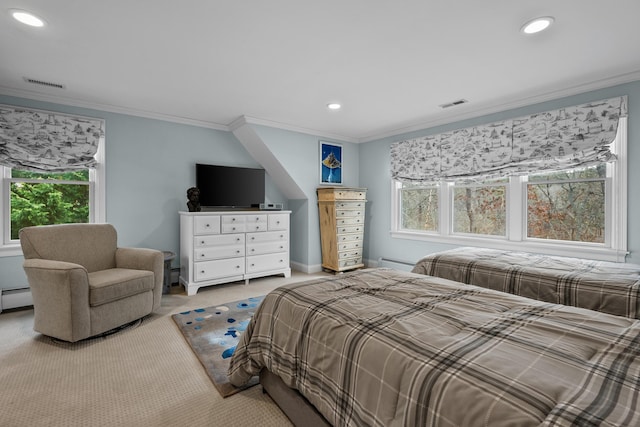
116, 283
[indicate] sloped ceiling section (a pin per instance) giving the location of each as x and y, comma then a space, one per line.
261, 153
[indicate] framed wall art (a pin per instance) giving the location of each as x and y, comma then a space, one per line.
330, 163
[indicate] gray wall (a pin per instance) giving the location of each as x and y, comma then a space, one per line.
376, 176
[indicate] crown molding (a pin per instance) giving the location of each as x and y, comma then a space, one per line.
508, 105
72, 102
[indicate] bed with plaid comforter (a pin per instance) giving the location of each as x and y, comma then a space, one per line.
380, 347
610, 287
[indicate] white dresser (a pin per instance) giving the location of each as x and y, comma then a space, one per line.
223, 247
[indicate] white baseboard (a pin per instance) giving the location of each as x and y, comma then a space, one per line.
305, 268
14, 298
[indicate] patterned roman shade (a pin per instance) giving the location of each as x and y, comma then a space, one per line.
553, 140
44, 141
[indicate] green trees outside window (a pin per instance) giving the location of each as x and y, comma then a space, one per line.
48, 198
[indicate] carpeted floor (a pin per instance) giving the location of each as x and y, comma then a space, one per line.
142, 376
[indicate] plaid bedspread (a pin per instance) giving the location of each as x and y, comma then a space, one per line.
609, 287
386, 348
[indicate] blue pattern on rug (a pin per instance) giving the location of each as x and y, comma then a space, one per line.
213, 333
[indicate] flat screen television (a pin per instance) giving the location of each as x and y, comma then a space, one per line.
230, 187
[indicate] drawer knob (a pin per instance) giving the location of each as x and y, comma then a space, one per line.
257, 218
233, 219
202, 242
201, 255
253, 265
257, 227
281, 247
237, 252
201, 271
234, 229
253, 238
208, 225
277, 222
237, 266
253, 250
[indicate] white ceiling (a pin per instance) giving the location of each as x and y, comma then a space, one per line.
279, 62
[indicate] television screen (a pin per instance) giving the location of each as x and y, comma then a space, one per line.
230, 187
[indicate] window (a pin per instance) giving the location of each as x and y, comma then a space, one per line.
34, 198
575, 212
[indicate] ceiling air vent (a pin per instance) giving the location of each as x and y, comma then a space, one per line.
43, 83
454, 103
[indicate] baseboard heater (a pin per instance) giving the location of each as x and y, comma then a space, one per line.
395, 264
14, 298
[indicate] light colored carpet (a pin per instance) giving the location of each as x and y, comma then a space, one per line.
142, 376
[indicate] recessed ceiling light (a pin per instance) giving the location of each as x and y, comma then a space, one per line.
27, 18
334, 106
536, 25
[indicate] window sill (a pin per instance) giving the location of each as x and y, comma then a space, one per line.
565, 249
10, 250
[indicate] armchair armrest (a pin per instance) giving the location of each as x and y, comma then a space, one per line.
144, 259
60, 290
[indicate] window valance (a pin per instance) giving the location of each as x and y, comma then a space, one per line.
44, 141
553, 140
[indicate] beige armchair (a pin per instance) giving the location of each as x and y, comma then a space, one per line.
82, 284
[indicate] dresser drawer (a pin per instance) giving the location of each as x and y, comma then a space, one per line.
269, 236
234, 227
206, 224
256, 223
279, 222
208, 270
216, 252
267, 262
218, 240
266, 248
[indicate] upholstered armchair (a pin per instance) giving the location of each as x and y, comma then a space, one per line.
82, 284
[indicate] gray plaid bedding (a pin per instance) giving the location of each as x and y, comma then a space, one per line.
609, 287
387, 348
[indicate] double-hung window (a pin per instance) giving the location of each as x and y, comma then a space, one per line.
571, 211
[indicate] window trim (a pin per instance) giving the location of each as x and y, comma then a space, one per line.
614, 249
97, 201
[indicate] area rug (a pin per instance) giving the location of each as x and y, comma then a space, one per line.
213, 333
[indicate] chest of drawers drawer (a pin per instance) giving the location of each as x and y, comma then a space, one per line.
350, 229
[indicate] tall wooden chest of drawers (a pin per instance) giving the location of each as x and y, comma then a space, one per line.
341, 212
